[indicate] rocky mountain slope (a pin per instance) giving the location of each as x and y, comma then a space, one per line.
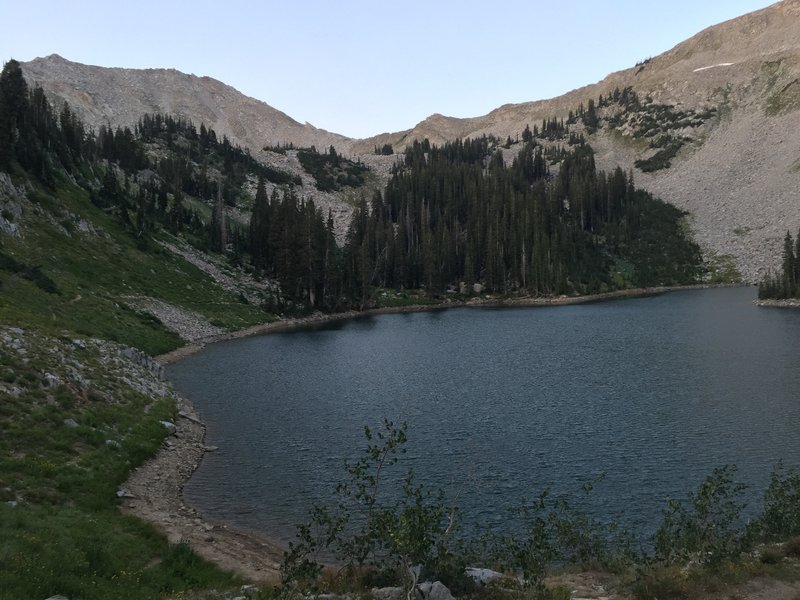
119, 97
738, 174
733, 62
115, 96
740, 179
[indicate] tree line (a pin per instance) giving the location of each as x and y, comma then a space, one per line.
786, 282
458, 213
451, 217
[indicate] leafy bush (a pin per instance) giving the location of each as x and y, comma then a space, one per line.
792, 547
708, 527
556, 532
781, 515
531, 555
386, 530
660, 582
770, 556
401, 532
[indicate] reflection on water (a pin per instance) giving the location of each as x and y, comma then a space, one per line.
652, 392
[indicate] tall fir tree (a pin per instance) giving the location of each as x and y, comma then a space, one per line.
260, 229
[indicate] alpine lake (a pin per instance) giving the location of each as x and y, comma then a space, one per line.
642, 397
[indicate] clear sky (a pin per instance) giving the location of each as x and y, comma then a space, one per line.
362, 67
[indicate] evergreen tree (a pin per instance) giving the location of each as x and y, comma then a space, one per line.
260, 229
527, 136
218, 229
13, 105
590, 118
789, 259
797, 263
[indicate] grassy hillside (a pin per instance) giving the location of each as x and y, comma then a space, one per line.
79, 408
77, 415
94, 272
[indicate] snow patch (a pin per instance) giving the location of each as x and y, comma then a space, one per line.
713, 66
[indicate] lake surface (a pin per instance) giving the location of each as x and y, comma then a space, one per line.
502, 403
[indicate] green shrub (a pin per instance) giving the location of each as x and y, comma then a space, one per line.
770, 555
373, 524
664, 583
708, 526
792, 547
781, 516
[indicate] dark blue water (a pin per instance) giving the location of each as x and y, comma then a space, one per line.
652, 392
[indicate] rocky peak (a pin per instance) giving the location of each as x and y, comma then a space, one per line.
119, 97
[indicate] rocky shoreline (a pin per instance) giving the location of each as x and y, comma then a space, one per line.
485, 302
785, 303
154, 491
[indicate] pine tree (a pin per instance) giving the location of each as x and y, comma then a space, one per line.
789, 281
260, 229
13, 105
218, 229
797, 264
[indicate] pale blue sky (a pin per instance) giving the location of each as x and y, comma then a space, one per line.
364, 67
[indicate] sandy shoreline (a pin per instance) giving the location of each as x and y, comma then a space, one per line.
156, 488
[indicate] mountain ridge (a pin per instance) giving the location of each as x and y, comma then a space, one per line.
72, 81
737, 177
780, 14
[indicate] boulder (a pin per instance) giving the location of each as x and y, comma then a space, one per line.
433, 591
169, 426
388, 593
143, 360
51, 380
482, 576
249, 590
71, 423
